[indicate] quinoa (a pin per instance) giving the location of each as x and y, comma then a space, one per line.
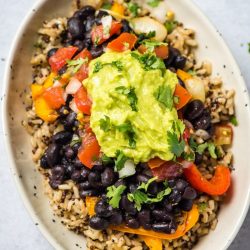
66, 202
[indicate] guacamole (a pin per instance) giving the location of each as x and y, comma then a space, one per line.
127, 114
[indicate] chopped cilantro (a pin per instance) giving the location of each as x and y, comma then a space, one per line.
202, 206
176, 146
133, 8
160, 196
211, 150
149, 61
118, 65
192, 72
120, 160
201, 148
145, 186
98, 66
75, 65
131, 95
107, 6
153, 3
151, 44
114, 194
164, 95
207, 145
234, 121
144, 36
105, 124
192, 144
178, 127
189, 156
170, 26
129, 132
106, 160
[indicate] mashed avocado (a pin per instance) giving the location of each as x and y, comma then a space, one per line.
127, 112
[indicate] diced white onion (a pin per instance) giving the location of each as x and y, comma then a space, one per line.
57, 84
196, 88
127, 170
73, 86
147, 24
65, 96
73, 106
106, 22
159, 12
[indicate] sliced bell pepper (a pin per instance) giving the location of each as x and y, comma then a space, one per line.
82, 101
126, 41
152, 243
218, 185
89, 152
90, 204
54, 97
183, 75
191, 219
36, 90
118, 8
183, 96
49, 80
44, 111
98, 35
155, 162
59, 59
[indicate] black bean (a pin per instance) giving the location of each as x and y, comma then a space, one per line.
98, 223
62, 137
203, 122
120, 182
63, 70
108, 177
181, 83
198, 158
147, 172
127, 205
83, 186
75, 147
189, 193
131, 222
87, 43
144, 217
98, 167
69, 152
125, 26
51, 52
85, 12
161, 215
193, 110
171, 183
116, 218
57, 176
79, 44
164, 227
153, 188
97, 51
63, 111
175, 197
77, 164
167, 205
85, 173
103, 209
180, 62
76, 176
44, 162
70, 121
181, 185
76, 28
52, 153
173, 53
99, 16
69, 169
91, 192
186, 205
89, 23
94, 179
132, 187
142, 178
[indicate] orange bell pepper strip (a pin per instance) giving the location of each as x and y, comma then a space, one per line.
90, 204
125, 41
118, 8
36, 90
218, 185
152, 243
155, 162
183, 96
191, 218
183, 75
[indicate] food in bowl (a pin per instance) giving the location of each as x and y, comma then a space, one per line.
131, 133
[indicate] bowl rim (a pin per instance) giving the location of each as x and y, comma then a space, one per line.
10, 156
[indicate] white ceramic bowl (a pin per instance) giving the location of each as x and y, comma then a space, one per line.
18, 77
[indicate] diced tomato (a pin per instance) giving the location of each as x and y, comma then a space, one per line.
125, 41
167, 170
87, 128
84, 54
59, 59
183, 96
98, 36
161, 51
82, 73
54, 97
218, 185
89, 152
186, 134
82, 101
142, 49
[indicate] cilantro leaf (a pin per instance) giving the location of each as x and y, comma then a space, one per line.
107, 6
234, 121
118, 65
105, 124
133, 8
145, 186
98, 66
202, 206
201, 148
106, 160
160, 196
138, 197
153, 3
129, 132
164, 95
211, 150
192, 144
120, 160
170, 26
176, 147
114, 193
151, 44
76, 64
207, 145
131, 95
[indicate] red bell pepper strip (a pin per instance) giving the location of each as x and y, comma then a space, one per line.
59, 59
218, 185
126, 41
